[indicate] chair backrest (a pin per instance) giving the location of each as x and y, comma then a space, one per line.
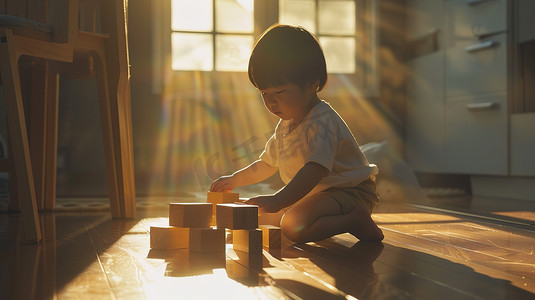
60, 17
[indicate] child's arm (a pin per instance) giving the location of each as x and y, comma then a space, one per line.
253, 173
302, 183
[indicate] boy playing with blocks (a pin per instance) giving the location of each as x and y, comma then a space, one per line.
330, 185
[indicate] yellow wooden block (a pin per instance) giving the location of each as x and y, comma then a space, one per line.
220, 198
237, 216
190, 214
247, 240
207, 240
168, 237
271, 236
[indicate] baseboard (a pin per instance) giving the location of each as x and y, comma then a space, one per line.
522, 188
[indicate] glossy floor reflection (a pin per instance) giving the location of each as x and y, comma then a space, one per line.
426, 254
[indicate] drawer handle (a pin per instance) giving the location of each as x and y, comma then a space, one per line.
481, 105
483, 36
481, 46
476, 2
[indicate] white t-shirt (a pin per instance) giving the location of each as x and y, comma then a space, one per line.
324, 138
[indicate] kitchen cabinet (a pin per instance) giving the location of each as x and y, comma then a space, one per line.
457, 119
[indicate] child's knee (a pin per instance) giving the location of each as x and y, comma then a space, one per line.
293, 235
293, 229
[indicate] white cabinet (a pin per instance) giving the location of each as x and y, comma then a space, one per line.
524, 20
457, 116
522, 119
523, 144
475, 66
476, 47
476, 135
470, 18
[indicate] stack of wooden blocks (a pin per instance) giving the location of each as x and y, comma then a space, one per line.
191, 225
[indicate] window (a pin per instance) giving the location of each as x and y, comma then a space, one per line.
218, 35
347, 31
333, 22
209, 35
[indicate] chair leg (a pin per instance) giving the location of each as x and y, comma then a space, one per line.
51, 140
107, 136
44, 134
13, 187
122, 138
114, 22
19, 138
37, 127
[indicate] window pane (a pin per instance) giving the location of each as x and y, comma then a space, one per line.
190, 15
337, 17
192, 51
339, 54
232, 52
234, 16
298, 12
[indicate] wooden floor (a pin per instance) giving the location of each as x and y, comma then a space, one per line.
426, 254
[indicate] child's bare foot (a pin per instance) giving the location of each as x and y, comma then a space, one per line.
364, 228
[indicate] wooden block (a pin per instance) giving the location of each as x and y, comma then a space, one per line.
207, 240
237, 216
247, 240
271, 236
220, 198
168, 237
190, 214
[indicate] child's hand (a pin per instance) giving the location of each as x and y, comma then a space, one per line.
266, 204
222, 184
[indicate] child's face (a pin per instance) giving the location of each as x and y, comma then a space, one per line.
289, 101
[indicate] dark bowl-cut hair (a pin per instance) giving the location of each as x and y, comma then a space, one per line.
287, 54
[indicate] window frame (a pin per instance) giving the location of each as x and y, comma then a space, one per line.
214, 34
266, 13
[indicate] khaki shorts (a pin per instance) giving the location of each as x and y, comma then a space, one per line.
364, 193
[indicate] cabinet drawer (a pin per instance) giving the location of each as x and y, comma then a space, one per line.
476, 67
472, 18
476, 135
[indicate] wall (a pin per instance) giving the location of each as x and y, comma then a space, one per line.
184, 140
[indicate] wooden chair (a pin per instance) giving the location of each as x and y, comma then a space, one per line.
54, 47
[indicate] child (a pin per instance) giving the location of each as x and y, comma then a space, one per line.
330, 187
